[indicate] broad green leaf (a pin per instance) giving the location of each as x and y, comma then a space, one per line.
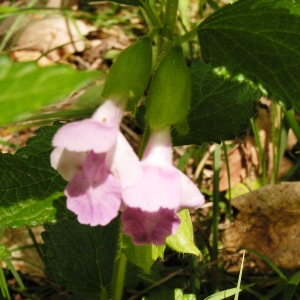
183, 240
260, 39
81, 257
90, 99
142, 256
219, 109
4, 253
31, 191
26, 87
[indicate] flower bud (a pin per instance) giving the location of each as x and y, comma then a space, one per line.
170, 91
129, 75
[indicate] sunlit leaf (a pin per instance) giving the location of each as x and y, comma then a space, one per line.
31, 191
261, 39
26, 87
219, 109
183, 240
142, 256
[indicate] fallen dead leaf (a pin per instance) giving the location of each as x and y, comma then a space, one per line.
30, 55
268, 221
47, 33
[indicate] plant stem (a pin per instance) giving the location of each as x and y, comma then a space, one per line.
36, 245
170, 18
290, 118
151, 15
146, 136
188, 36
119, 278
228, 175
216, 199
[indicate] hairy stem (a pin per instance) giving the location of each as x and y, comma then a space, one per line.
170, 18
119, 275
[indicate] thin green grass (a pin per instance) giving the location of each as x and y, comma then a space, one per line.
216, 200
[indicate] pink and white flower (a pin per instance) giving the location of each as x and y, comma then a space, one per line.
90, 154
74, 140
105, 176
152, 203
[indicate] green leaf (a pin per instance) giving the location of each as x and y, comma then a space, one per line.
4, 253
90, 99
219, 109
31, 191
261, 39
243, 188
183, 240
126, 2
291, 286
236, 296
176, 294
227, 293
142, 256
81, 257
26, 87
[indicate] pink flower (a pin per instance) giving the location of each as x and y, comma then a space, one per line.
74, 140
93, 193
105, 176
151, 204
90, 154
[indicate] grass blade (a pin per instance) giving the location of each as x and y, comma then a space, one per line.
236, 297
291, 286
270, 263
227, 293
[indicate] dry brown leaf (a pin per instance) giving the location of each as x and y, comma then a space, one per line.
31, 55
268, 221
44, 34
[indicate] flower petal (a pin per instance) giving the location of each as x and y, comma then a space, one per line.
94, 205
159, 148
67, 163
94, 194
124, 163
160, 187
98, 133
149, 227
191, 196
86, 135
109, 113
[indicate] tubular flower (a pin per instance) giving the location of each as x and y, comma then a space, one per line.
90, 155
152, 203
74, 140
